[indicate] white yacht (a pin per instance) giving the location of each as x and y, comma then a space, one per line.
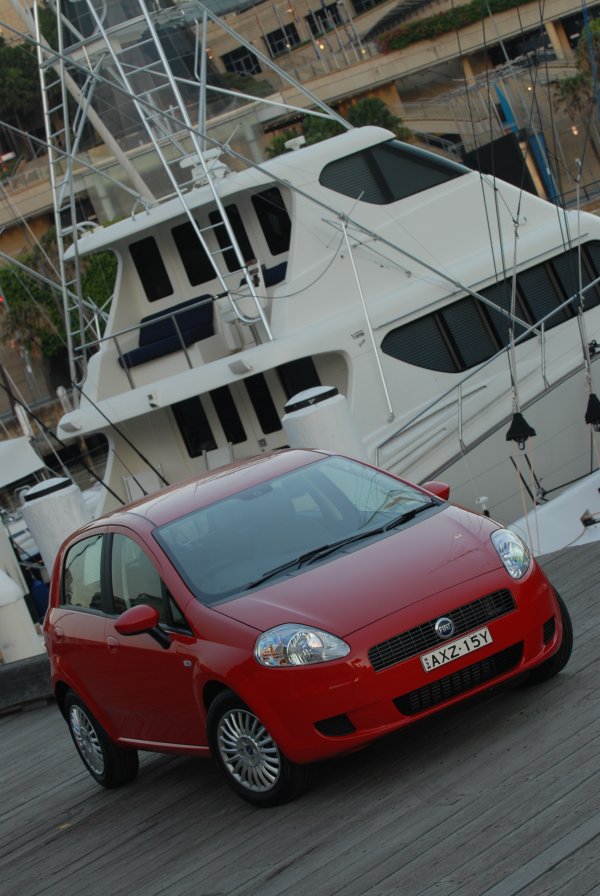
450, 309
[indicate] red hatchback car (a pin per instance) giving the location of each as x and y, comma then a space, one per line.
284, 610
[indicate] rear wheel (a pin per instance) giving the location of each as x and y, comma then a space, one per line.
252, 762
558, 660
109, 764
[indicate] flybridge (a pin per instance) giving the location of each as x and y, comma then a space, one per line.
437, 302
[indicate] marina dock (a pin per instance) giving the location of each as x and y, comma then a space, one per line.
498, 797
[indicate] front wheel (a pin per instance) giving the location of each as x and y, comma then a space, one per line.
558, 660
109, 764
252, 762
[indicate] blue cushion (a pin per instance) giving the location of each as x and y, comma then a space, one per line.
158, 335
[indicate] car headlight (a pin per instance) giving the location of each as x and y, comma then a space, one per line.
513, 552
298, 645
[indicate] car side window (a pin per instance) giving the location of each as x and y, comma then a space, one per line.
136, 581
134, 578
81, 575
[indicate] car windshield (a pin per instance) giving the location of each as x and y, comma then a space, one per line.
284, 524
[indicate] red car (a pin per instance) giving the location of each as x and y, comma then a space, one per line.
284, 610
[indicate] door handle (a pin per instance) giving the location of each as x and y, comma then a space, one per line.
112, 644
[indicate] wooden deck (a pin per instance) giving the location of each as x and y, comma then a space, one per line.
496, 798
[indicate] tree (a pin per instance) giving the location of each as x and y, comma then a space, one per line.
372, 110
316, 129
277, 145
368, 111
577, 94
33, 318
20, 98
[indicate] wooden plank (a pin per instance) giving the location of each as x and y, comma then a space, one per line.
500, 796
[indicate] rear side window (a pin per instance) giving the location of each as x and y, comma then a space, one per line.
81, 575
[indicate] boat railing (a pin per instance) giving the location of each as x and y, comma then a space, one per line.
170, 331
455, 395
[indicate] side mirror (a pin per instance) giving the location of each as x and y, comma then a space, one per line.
439, 489
142, 620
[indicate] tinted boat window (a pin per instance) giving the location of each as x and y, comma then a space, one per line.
541, 295
273, 219
262, 402
471, 336
151, 269
418, 340
388, 172
224, 240
198, 266
228, 415
194, 426
501, 294
467, 332
570, 271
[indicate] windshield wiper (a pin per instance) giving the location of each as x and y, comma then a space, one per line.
408, 515
326, 549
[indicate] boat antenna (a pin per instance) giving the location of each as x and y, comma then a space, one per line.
124, 437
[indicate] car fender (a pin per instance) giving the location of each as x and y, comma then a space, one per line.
63, 681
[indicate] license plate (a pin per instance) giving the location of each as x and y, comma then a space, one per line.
455, 649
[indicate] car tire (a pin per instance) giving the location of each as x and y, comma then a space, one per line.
558, 660
109, 764
251, 761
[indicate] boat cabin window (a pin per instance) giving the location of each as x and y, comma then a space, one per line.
194, 426
468, 332
228, 415
198, 266
501, 295
151, 269
567, 274
388, 172
273, 219
237, 225
262, 402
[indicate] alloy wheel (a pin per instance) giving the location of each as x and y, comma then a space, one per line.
248, 751
86, 739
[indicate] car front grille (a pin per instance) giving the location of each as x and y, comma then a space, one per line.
459, 682
423, 637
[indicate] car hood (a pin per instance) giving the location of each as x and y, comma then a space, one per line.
349, 590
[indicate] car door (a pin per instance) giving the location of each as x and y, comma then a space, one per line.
77, 625
149, 691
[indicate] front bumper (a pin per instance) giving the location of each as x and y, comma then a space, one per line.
314, 712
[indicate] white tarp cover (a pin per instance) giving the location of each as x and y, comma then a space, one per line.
17, 460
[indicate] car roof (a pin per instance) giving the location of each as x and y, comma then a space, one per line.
178, 500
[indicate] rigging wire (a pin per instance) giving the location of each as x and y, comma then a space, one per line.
497, 198
47, 430
123, 436
476, 143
